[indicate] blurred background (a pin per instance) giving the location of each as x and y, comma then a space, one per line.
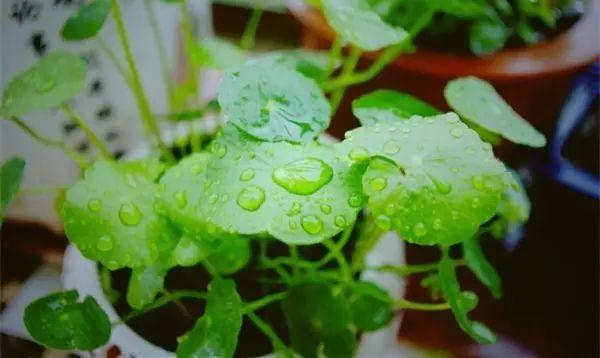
550, 306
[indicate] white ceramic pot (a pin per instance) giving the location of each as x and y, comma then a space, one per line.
82, 274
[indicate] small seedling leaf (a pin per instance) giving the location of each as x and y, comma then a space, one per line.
86, 22
370, 305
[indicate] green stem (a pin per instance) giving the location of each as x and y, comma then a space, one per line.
264, 301
98, 143
384, 59
407, 270
144, 107
341, 260
160, 47
346, 234
249, 36
189, 43
72, 153
295, 258
177, 302
276, 342
349, 65
114, 60
42, 190
409, 305
334, 55
161, 302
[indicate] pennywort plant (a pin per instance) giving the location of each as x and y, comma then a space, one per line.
268, 176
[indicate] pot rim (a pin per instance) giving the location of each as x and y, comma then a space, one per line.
566, 53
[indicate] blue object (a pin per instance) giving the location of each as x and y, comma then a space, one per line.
586, 89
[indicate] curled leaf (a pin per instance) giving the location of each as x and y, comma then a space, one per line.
480, 265
215, 334
478, 102
59, 321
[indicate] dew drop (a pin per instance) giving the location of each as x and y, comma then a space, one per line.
340, 221
419, 230
213, 198
383, 221
295, 209
129, 214
475, 203
196, 169
251, 198
293, 225
311, 224
105, 243
358, 153
442, 187
478, 182
180, 199
45, 86
456, 132
390, 209
247, 175
95, 205
378, 184
304, 176
355, 200
391, 147
325, 209
437, 224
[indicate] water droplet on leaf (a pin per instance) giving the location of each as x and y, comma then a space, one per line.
391, 147
378, 184
383, 222
251, 198
419, 230
247, 175
355, 200
303, 177
129, 214
95, 205
358, 153
340, 221
311, 224
180, 199
105, 243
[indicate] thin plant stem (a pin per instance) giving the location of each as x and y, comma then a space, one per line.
409, 305
189, 43
81, 161
264, 301
98, 143
407, 270
349, 65
334, 55
112, 57
249, 35
148, 119
386, 57
179, 294
178, 303
295, 258
160, 48
341, 260
346, 234
276, 342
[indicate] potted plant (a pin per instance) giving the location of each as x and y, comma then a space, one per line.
521, 47
308, 225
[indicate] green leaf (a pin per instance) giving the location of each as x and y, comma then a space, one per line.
477, 101
356, 23
432, 283
310, 63
315, 316
480, 266
59, 321
541, 9
51, 81
230, 256
463, 8
270, 5
383, 106
462, 303
515, 206
488, 35
144, 284
86, 22
217, 53
370, 305
112, 216
215, 333
434, 180
151, 168
11, 175
274, 103
300, 194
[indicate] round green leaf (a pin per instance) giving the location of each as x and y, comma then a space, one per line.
51, 81
230, 256
315, 316
300, 194
383, 106
370, 305
215, 333
478, 102
86, 22
488, 35
59, 321
11, 174
435, 181
274, 102
112, 216
361, 26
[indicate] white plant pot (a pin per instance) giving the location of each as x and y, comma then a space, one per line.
82, 274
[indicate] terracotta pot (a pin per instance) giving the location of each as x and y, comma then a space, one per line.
534, 80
